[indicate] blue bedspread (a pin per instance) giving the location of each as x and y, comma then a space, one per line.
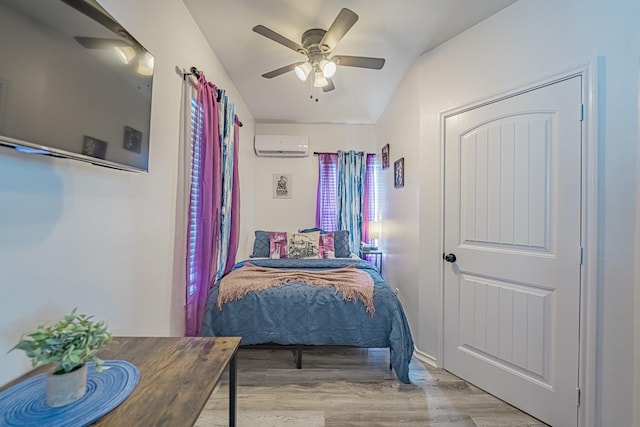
312, 315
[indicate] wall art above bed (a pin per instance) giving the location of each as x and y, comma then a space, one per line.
385, 156
398, 173
282, 186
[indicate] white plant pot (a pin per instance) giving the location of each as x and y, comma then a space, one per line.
63, 389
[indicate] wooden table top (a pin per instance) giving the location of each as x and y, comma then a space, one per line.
177, 376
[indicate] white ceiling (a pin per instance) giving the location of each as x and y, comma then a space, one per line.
397, 30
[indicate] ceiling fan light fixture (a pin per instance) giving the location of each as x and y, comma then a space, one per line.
320, 80
145, 65
303, 70
125, 53
328, 68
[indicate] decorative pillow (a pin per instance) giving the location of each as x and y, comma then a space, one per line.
326, 247
278, 244
303, 245
340, 241
341, 244
311, 230
261, 245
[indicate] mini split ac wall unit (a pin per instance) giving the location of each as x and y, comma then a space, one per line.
281, 145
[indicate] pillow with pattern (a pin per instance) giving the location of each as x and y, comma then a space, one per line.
340, 241
311, 230
341, 244
303, 245
278, 247
261, 245
326, 247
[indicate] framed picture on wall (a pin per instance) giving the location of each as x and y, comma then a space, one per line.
132, 139
398, 173
282, 186
94, 147
385, 156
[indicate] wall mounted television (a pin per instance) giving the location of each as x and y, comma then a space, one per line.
73, 83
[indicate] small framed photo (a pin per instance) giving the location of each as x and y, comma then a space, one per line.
398, 173
282, 186
385, 156
94, 147
132, 140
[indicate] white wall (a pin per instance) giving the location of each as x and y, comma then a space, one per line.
400, 128
526, 42
77, 235
300, 210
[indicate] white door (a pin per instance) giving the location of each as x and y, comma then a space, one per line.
512, 220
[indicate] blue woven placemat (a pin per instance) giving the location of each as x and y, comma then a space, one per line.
24, 404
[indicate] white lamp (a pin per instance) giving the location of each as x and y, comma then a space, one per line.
374, 232
303, 70
320, 80
328, 68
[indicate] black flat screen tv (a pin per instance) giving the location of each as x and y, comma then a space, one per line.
73, 83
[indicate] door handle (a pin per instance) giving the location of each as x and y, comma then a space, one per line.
449, 257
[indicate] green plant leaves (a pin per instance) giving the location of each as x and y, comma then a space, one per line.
70, 343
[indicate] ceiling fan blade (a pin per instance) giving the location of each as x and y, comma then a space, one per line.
359, 61
95, 12
270, 34
328, 87
99, 43
279, 71
343, 23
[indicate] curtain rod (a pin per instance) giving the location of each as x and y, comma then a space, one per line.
315, 153
196, 73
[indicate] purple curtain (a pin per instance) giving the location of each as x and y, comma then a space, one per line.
205, 227
326, 197
368, 204
234, 237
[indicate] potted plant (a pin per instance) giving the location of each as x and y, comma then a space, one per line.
69, 345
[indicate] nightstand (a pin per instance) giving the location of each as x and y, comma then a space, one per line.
376, 255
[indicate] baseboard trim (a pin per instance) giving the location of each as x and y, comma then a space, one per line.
424, 357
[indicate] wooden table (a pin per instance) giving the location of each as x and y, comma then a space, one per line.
177, 377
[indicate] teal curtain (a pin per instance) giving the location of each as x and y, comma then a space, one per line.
352, 169
226, 118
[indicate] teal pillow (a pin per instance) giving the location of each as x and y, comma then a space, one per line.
261, 245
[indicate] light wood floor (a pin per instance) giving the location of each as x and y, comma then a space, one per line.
352, 387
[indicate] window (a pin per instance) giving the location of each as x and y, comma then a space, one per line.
326, 209
194, 201
327, 198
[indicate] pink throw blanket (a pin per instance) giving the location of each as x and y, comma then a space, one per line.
351, 282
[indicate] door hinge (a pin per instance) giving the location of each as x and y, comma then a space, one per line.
581, 112
577, 396
581, 255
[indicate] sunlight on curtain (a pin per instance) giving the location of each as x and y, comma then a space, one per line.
327, 196
194, 197
369, 211
226, 114
213, 231
351, 177
347, 194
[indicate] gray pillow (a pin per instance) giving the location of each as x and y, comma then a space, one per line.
341, 244
261, 245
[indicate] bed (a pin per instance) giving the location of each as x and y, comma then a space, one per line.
299, 314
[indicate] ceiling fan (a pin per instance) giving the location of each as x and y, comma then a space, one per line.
125, 47
317, 45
